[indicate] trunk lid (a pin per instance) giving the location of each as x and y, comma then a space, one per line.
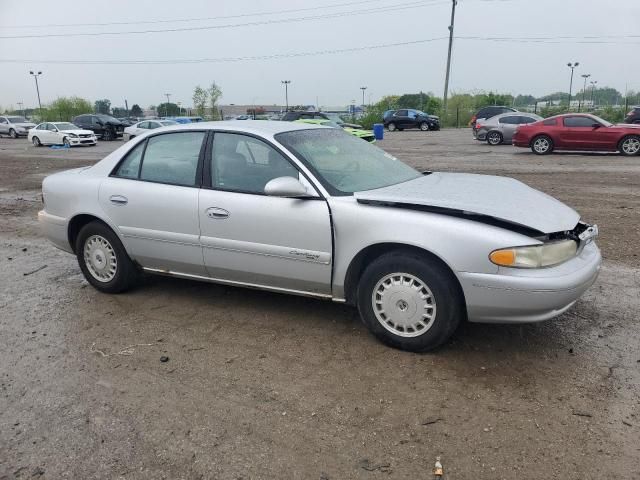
502, 198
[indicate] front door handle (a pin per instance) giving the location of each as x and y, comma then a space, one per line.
217, 213
118, 199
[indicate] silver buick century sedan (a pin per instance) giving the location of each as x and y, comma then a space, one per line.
311, 210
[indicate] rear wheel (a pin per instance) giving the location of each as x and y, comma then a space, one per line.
424, 126
13, 134
494, 138
542, 145
103, 259
629, 145
391, 127
409, 301
36, 142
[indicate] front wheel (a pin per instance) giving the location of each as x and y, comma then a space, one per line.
36, 142
66, 142
103, 259
630, 145
13, 134
108, 135
410, 301
494, 138
542, 145
424, 126
391, 127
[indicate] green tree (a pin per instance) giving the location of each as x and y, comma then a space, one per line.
136, 111
103, 106
65, 108
215, 93
168, 109
200, 99
119, 112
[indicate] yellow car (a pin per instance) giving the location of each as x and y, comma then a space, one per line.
356, 132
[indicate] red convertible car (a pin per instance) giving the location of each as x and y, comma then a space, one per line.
578, 132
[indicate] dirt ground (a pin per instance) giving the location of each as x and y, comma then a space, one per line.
266, 386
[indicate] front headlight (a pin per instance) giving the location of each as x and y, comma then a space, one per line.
536, 256
73, 135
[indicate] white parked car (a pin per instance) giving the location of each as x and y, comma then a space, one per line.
311, 210
60, 133
15, 126
144, 126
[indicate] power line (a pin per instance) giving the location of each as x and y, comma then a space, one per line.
308, 54
386, 8
178, 20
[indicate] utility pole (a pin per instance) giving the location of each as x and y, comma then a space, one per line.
572, 67
363, 89
446, 81
36, 75
21, 105
166, 108
584, 88
286, 93
126, 107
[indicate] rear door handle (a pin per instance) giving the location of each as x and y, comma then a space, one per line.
118, 199
217, 213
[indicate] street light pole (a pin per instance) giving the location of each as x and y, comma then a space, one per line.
36, 75
363, 89
21, 105
166, 108
593, 85
572, 66
286, 93
446, 80
584, 88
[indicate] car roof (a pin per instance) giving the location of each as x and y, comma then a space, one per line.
259, 127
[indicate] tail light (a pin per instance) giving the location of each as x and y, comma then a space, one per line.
478, 126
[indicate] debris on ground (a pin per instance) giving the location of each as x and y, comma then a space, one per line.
366, 464
125, 351
164, 359
438, 471
579, 413
35, 271
431, 420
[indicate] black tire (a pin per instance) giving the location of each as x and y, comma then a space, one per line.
108, 135
494, 138
36, 142
13, 134
400, 129
448, 303
629, 146
538, 148
391, 127
424, 126
126, 272
66, 142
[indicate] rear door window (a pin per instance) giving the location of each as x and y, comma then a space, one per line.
401, 113
172, 158
511, 120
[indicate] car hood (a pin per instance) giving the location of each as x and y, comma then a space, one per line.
78, 131
634, 126
358, 132
502, 198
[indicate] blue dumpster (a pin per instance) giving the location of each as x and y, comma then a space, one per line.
378, 131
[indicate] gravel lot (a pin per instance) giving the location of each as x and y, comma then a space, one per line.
261, 385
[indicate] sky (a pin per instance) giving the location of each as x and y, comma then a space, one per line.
529, 55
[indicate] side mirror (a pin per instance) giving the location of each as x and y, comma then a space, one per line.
596, 125
285, 187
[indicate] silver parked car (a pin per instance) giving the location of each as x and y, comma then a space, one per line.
15, 126
500, 129
312, 210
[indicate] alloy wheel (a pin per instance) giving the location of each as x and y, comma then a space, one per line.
404, 304
631, 146
541, 145
494, 138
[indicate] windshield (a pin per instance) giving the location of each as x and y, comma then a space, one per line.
66, 126
107, 118
166, 123
343, 163
17, 120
